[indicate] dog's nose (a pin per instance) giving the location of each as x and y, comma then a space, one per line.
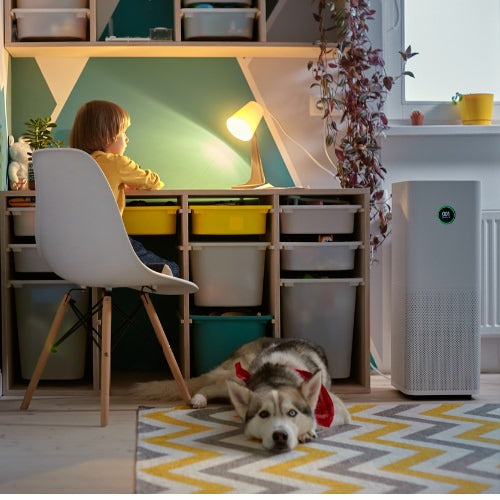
280, 438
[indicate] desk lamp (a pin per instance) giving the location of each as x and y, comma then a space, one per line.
242, 125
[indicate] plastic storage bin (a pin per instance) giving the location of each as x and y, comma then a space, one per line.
36, 306
234, 219
52, 4
218, 24
322, 310
23, 221
228, 274
326, 256
28, 260
221, 3
215, 338
150, 220
318, 219
51, 24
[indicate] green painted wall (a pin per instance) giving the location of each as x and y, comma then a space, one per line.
178, 108
134, 18
31, 97
3, 142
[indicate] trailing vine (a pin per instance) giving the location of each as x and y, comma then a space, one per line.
353, 87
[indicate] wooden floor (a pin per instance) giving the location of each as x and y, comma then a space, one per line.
58, 447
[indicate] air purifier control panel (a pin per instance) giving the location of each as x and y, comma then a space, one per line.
446, 214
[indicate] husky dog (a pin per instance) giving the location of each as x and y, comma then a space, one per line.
282, 397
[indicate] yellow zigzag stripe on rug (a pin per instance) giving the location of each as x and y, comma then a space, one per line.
422, 454
473, 434
199, 455
311, 455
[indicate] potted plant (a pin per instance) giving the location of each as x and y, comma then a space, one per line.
417, 117
38, 135
353, 86
475, 109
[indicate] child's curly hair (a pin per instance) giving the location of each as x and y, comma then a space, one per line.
97, 125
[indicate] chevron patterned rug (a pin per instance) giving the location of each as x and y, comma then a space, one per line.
388, 448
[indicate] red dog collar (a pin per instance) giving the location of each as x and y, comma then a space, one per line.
324, 411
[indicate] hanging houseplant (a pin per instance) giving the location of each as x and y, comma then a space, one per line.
353, 86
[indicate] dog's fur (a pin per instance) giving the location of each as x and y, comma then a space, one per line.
276, 404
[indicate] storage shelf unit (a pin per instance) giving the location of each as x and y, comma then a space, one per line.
258, 47
186, 239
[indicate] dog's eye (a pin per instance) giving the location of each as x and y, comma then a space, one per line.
292, 413
264, 414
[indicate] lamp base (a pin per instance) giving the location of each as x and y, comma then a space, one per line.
257, 177
247, 185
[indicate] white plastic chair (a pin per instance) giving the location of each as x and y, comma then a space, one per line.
80, 233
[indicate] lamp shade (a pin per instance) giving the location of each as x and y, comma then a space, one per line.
245, 121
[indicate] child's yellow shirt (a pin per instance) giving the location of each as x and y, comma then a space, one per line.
121, 170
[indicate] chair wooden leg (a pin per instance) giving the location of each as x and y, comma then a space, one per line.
44, 355
105, 359
167, 351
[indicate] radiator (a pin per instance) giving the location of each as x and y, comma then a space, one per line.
490, 273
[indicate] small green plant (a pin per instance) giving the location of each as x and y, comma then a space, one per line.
457, 98
38, 133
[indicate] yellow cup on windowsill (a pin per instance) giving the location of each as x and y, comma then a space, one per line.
475, 109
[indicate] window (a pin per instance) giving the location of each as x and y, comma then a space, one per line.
458, 42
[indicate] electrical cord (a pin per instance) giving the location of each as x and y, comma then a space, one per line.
375, 369
303, 148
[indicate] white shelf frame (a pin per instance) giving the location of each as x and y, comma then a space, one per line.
400, 129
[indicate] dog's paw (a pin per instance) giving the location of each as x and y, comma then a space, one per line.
308, 436
342, 417
198, 401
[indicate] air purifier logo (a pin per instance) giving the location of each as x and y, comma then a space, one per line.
446, 214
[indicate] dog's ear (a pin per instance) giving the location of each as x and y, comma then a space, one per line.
310, 389
239, 396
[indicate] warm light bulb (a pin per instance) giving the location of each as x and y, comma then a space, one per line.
239, 128
244, 122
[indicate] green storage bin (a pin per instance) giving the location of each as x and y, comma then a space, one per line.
215, 338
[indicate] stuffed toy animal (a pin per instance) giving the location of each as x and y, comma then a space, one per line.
18, 166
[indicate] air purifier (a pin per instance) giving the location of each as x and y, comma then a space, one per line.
435, 289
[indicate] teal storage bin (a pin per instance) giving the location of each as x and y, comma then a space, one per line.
215, 338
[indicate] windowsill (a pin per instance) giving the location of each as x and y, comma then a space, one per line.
401, 128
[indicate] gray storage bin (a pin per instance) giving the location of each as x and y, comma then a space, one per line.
24, 220
218, 24
52, 4
311, 256
322, 310
36, 306
318, 219
51, 24
218, 3
228, 274
27, 259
